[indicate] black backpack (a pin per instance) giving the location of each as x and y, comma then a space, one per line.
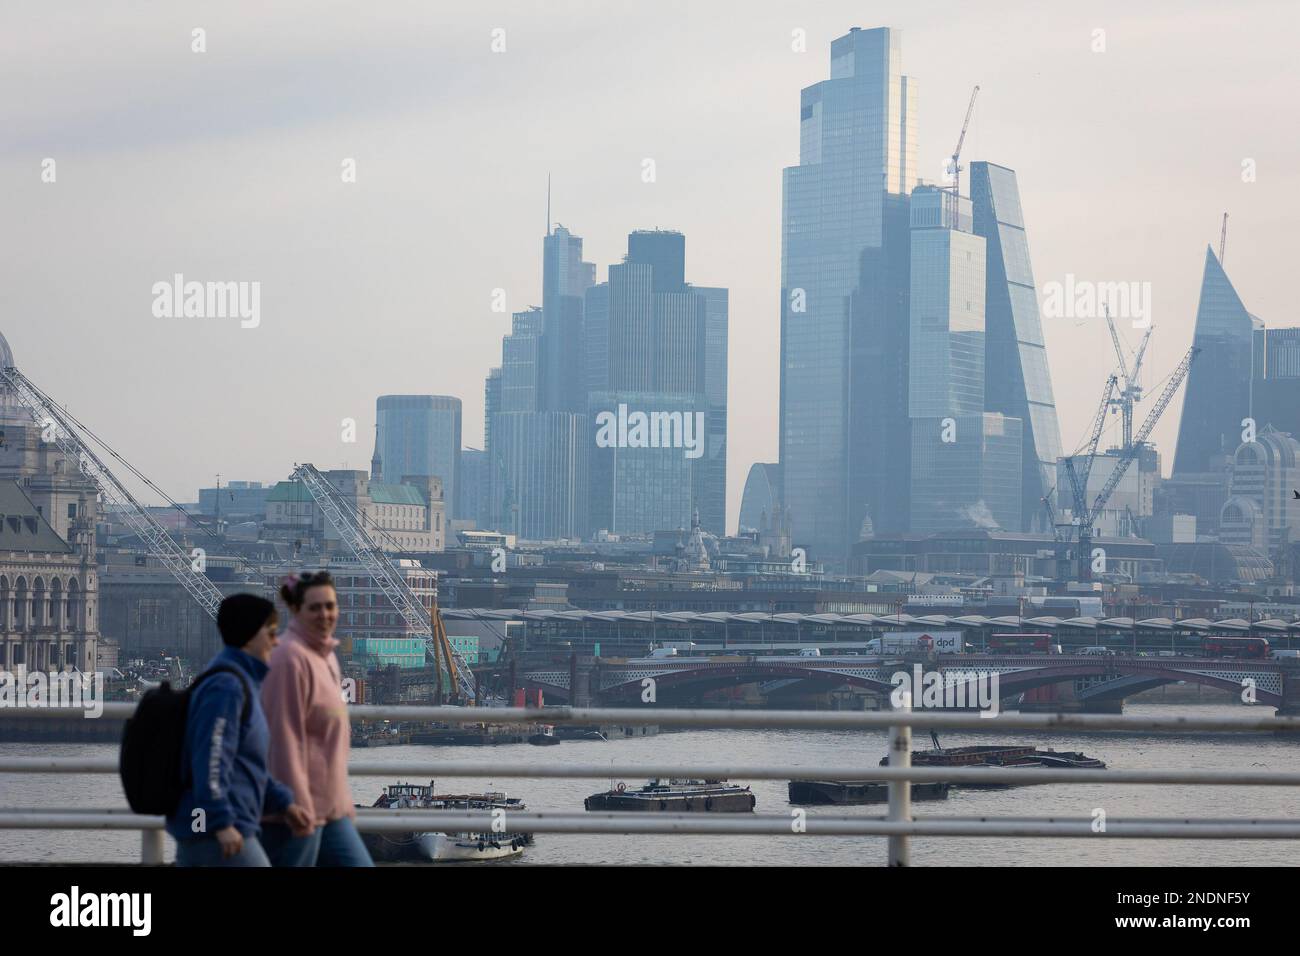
153, 745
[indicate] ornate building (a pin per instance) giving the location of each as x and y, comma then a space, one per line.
48, 579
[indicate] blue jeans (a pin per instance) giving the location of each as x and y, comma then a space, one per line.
337, 843
206, 851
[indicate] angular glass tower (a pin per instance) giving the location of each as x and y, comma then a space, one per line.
1016, 379
1218, 386
843, 417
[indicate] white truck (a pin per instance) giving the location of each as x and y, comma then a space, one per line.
902, 642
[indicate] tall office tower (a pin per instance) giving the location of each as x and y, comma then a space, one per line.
1016, 379
656, 346
565, 279
420, 435
1275, 389
665, 252
490, 515
843, 421
709, 474
965, 462
1218, 386
538, 457
473, 485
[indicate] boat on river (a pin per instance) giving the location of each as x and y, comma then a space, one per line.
675, 795
436, 847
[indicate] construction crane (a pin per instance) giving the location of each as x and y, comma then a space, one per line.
1060, 541
954, 167
1079, 480
1130, 392
1125, 459
426, 623
62, 427
1223, 238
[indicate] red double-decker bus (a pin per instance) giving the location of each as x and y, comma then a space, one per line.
1015, 643
1214, 645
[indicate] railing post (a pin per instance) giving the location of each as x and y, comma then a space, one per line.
151, 847
900, 791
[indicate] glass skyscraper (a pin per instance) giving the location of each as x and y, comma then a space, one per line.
971, 482
946, 342
843, 417
565, 278
1016, 379
1218, 385
420, 435
965, 462
656, 344
1275, 390
536, 425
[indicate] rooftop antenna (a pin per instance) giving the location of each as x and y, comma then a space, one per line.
548, 204
1223, 238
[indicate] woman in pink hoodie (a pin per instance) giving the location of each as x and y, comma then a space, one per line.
310, 731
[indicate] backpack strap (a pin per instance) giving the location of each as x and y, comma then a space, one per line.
248, 692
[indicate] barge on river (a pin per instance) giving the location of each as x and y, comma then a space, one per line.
675, 796
855, 792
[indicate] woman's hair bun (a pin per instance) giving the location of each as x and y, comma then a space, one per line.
294, 587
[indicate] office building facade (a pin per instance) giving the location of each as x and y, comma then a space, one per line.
844, 289
536, 459
965, 462
420, 435
1017, 382
656, 347
1275, 387
1259, 511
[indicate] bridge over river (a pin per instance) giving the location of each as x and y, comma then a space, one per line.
1048, 681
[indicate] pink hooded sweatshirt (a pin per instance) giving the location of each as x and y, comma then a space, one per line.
310, 732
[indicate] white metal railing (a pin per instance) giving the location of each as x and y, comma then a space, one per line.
898, 824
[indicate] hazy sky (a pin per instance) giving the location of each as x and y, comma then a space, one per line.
226, 165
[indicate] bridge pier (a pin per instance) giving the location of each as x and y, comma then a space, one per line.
1290, 706
581, 670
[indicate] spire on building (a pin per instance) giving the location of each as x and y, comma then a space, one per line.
376, 463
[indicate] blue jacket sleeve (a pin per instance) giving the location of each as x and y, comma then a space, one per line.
212, 731
278, 796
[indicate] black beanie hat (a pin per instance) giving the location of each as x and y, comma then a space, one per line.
241, 616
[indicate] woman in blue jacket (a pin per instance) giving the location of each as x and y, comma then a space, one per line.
229, 790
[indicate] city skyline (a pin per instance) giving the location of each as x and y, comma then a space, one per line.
349, 294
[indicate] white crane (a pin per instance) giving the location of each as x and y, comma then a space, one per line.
954, 167
426, 623
185, 568
1130, 392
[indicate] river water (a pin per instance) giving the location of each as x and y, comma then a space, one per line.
799, 747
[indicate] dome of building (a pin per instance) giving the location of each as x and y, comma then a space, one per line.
6, 355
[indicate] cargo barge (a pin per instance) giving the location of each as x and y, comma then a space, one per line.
675, 796
1000, 756
856, 792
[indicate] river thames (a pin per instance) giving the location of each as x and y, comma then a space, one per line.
1198, 751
